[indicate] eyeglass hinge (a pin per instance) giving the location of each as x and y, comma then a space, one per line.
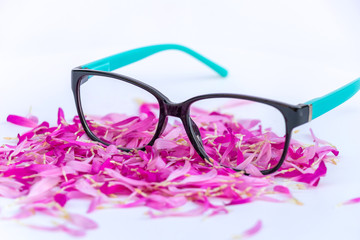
310, 112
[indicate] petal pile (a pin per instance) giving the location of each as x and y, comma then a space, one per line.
52, 165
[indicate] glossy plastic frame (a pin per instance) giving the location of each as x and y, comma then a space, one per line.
294, 115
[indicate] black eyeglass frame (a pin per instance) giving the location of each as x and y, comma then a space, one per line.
294, 115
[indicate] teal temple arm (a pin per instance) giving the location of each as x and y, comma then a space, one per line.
332, 100
125, 58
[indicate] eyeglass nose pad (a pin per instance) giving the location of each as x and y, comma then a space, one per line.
164, 125
199, 147
196, 130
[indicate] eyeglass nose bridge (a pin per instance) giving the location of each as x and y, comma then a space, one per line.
175, 109
181, 110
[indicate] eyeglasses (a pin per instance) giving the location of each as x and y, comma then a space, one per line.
251, 127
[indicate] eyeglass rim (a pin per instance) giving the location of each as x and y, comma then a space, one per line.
294, 115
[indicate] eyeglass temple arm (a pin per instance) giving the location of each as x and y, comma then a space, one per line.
125, 58
330, 101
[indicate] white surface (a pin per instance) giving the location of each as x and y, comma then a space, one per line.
287, 50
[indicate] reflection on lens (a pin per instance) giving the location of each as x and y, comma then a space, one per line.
115, 114
240, 134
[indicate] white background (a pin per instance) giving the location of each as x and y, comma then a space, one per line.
291, 51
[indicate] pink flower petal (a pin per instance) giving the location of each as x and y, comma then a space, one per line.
82, 222
42, 186
22, 121
253, 231
352, 201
